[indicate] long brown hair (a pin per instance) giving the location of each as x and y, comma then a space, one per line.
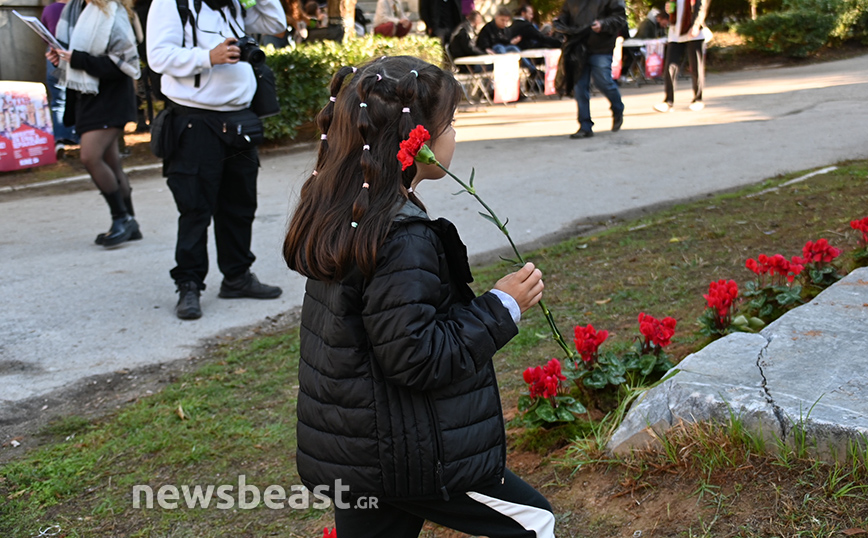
339, 222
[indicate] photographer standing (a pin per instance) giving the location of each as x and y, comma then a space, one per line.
209, 83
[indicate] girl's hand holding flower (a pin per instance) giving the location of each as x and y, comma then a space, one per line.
524, 285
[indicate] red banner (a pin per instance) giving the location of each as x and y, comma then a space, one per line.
552, 58
26, 131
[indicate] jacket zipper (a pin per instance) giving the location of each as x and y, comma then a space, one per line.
500, 408
438, 449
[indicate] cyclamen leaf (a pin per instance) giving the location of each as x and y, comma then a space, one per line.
577, 408
546, 412
524, 402
647, 364
565, 415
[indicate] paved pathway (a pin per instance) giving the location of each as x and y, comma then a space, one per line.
70, 309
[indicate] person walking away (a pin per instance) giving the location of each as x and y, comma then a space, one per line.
440, 17
63, 135
398, 396
209, 90
601, 21
687, 35
98, 69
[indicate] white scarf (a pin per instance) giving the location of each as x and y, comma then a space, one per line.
98, 33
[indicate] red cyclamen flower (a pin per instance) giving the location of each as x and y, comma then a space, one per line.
588, 341
819, 252
721, 297
656, 332
544, 380
775, 265
326, 533
862, 226
410, 147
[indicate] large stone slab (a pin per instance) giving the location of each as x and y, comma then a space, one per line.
806, 372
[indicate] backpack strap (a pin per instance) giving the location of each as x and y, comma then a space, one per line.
184, 13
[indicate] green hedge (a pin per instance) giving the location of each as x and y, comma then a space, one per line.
795, 33
303, 73
806, 25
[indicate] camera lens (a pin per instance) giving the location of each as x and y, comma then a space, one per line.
255, 56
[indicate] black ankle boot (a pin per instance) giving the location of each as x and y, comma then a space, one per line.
122, 230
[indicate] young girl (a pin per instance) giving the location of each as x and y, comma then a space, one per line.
399, 414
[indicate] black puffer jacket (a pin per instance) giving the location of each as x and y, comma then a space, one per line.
398, 396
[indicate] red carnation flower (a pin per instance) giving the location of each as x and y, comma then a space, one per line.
410, 147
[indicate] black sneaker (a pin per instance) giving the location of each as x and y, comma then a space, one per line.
617, 122
247, 286
582, 134
188, 301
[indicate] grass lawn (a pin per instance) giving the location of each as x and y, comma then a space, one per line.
235, 414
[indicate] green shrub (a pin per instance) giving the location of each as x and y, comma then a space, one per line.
851, 16
795, 33
303, 73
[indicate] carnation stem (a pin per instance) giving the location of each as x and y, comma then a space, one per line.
502, 227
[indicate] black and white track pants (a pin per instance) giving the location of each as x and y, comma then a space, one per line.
513, 509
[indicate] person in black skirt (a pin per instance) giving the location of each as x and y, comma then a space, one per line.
98, 65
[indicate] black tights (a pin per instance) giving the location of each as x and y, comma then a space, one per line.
101, 158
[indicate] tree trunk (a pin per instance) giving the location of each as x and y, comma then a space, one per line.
342, 13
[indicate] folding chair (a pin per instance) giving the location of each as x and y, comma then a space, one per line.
470, 82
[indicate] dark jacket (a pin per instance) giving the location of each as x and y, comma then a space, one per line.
649, 29
491, 35
397, 391
576, 15
531, 37
462, 42
113, 106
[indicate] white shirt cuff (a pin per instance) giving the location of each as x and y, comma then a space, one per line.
510, 304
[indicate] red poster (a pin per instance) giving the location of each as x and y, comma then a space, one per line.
26, 131
616, 58
552, 58
654, 58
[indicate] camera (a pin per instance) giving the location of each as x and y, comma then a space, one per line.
250, 51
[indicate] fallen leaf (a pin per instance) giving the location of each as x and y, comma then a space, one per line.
603, 301
674, 240
854, 531
180, 412
239, 371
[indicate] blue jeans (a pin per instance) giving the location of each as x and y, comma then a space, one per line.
503, 49
598, 66
57, 103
